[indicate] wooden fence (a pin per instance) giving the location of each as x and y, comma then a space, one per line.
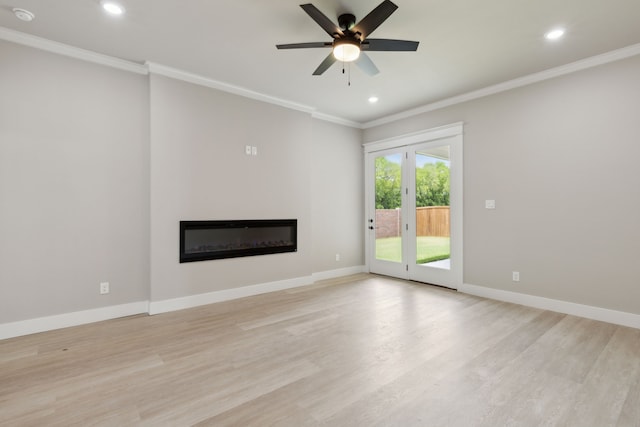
431, 221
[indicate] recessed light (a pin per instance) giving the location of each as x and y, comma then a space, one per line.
23, 15
373, 99
112, 7
554, 34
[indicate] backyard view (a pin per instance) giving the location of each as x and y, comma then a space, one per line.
432, 208
430, 249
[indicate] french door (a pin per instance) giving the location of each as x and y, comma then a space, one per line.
414, 207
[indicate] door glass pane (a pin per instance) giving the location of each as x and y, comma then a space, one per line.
388, 176
433, 224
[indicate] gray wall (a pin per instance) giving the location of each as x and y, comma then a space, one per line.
337, 200
199, 171
74, 184
561, 160
97, 166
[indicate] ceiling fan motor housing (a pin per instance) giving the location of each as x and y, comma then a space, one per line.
346, 21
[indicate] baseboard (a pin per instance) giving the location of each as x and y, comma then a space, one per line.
341, 272
59, 321
164, 306
43, 324
586, 311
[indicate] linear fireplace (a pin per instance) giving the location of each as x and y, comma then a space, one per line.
204, 240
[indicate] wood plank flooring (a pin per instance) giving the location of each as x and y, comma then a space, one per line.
362, 350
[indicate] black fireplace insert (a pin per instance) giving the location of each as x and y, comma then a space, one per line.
205, 240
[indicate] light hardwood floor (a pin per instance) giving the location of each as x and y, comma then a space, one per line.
357, 351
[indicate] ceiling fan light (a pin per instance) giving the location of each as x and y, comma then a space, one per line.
346, 50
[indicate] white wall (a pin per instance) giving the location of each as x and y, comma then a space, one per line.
74, 186
561, 160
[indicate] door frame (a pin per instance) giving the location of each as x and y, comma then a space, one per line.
454, 132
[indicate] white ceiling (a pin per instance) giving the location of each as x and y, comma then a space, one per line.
465, 45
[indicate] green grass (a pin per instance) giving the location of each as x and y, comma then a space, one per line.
429, 249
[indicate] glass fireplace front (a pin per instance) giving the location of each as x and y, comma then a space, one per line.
205, 240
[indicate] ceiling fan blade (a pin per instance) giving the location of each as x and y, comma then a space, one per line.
324, 66
304, 45
321, 19
389, 45
373, 20
366, 64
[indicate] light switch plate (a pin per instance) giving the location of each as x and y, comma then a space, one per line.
490, 204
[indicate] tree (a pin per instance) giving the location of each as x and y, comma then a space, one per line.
388, 184
432, 185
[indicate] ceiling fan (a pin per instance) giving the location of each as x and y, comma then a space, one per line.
351, 39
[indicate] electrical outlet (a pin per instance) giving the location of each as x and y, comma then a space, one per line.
337, 257
515, 276
104, 288
490, 204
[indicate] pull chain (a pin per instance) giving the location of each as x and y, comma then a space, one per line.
348, 73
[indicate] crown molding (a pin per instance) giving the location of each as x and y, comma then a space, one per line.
144, 69
337, 120
134, 67
70, 51
594, 61
197, 79
186, 76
